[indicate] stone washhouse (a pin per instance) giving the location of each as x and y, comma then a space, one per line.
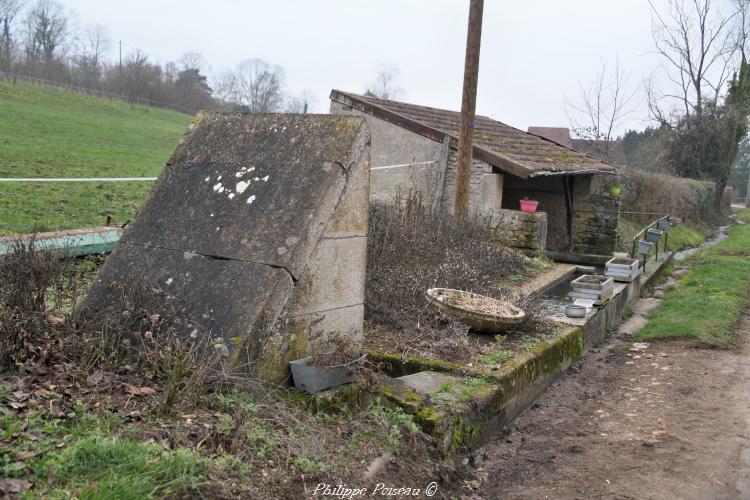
257, 227
414, 148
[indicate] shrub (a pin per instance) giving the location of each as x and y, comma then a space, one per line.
689, 199
29, 279
411, 249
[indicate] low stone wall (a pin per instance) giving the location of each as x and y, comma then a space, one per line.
524, 232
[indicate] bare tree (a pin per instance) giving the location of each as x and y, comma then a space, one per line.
48, 29
301, 103
90, 50
255, 86
191, 60
9, 10
385, 85
697, 44
601, 108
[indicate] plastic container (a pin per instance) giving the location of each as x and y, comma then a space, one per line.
644, 246
653, 235
314, 379
529, 206
574, 311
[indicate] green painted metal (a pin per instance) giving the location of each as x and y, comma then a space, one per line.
74, 244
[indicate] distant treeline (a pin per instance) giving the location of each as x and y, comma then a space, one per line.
38, 39
649, 150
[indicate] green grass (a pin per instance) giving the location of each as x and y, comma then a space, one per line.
710, 298
53, 133
84, 456
743, 215
683, 236
680, 237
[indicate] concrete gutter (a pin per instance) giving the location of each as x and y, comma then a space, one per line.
483, 401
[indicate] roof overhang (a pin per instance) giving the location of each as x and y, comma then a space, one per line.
587, 171
505, 164
497, 160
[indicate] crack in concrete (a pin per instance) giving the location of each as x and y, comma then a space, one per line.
294, 278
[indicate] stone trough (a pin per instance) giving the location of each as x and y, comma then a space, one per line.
464, 406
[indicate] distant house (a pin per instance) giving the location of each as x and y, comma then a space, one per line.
608, 151
560, 135
415, 147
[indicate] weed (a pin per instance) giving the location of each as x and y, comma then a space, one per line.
528, 343
499, 338
445, 387
518, 278
472, 386
493, 358
310, 465
394, 420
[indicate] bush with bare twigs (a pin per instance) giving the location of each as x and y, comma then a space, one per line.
30, 281
411, 249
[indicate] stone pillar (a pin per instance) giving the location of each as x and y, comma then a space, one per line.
526, 233
491, 193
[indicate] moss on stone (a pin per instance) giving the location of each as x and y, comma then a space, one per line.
398, 366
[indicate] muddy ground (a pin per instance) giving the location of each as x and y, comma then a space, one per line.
669, 421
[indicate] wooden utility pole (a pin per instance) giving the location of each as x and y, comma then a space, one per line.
468, 107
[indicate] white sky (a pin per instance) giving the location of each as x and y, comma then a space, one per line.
534, 52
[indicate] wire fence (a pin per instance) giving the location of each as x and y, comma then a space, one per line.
143, 101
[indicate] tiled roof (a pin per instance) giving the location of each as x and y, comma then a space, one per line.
560, 135
510, 150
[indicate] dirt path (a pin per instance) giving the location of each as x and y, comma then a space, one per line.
671, 421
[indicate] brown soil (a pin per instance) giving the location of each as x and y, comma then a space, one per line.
669, 421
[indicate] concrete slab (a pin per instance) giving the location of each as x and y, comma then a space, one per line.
428, 382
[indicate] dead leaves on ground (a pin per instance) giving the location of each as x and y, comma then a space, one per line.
14, 486
138, 391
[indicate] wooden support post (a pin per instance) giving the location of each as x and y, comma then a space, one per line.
567, 191
468, 107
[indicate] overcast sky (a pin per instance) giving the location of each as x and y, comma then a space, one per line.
534, 52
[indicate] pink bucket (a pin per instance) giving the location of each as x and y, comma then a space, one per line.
529, 206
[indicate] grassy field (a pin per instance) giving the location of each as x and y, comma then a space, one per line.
711, 297
53, 133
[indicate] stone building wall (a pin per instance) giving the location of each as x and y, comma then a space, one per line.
524, 232
394, 145
478, 170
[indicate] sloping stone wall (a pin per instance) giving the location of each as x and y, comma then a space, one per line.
526, 233
257, 228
